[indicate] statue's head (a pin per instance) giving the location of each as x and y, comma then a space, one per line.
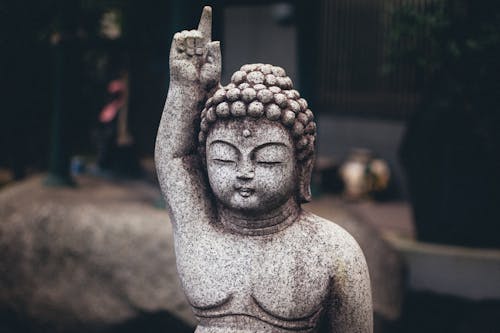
257, 139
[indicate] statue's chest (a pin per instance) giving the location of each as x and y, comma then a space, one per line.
284, 278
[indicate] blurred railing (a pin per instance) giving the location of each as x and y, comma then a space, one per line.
353, 57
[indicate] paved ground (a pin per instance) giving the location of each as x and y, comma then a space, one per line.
389, 217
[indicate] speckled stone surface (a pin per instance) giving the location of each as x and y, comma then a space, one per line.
94, 258
234, 164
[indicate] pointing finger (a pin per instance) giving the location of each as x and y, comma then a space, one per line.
205, 25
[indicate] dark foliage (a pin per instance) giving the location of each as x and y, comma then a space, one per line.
450, 150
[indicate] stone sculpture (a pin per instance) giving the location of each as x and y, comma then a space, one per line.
234, 164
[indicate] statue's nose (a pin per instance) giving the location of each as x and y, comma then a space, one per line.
245, 170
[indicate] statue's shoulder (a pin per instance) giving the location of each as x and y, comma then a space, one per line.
326, 229
332, 239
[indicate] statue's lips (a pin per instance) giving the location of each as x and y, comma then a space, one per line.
245, 191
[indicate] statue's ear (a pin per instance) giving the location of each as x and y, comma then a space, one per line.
305, 172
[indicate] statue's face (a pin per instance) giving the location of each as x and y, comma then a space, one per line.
251, 164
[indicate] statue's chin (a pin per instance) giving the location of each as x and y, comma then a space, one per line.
250, 206
246, 206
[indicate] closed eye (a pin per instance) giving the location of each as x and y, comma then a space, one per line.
269, 163
222, 160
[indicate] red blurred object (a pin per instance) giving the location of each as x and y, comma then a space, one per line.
109, 112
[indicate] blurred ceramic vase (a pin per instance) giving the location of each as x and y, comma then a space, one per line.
364, 175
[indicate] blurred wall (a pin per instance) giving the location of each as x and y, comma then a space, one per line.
254, 34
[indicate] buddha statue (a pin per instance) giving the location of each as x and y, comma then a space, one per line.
234, 164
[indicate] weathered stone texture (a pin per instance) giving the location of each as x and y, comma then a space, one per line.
249, 258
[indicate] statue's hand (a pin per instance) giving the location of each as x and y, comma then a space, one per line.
194, 58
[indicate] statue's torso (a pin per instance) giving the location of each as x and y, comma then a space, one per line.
281, 279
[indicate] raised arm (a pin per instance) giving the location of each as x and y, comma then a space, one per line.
195, 66
350, 300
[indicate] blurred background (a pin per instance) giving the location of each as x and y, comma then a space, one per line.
406, 95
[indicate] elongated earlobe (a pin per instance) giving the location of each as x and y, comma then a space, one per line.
305, 172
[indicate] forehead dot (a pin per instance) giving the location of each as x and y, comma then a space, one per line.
246, 133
